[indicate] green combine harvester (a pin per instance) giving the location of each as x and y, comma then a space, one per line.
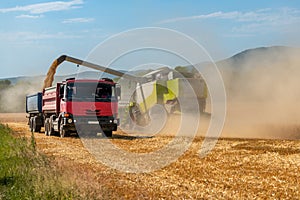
164, 87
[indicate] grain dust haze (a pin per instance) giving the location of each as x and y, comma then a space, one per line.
263, 93
262, 87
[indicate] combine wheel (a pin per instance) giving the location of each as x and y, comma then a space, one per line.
137, 116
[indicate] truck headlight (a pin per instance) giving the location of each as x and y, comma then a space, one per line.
115, 121
70, 121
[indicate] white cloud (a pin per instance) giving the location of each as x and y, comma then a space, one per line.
228, 15
40, 8
78, 20
30, 16
282, 15
266, 21
248, 23
30, 36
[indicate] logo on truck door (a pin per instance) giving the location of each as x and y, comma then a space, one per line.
93, 108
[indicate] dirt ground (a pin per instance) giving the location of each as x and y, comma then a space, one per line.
235, 169
12, 117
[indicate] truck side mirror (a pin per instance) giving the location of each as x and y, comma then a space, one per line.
61, 91
118, 92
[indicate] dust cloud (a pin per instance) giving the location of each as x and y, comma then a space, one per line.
263, 96
12, 99
262, 87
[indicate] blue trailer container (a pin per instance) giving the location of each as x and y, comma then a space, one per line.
34, 103
34, 109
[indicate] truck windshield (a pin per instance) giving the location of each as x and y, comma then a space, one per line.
98, 92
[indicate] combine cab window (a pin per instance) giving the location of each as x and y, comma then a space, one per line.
100, 92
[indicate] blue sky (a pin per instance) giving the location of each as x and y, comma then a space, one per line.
34, 32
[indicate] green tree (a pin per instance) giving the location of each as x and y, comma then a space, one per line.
4, 84
184, 71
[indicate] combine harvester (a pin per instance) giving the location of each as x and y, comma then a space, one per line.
87, 104
160, 87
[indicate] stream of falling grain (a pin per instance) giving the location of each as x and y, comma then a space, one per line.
50, 75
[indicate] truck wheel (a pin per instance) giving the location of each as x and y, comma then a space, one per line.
35, 128
47, 127
51, 130
31, 124
108, 133
62, 131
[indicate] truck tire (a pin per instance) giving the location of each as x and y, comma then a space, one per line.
107, 133
51, 129
62, 131
31, 124
35, 128
47, 127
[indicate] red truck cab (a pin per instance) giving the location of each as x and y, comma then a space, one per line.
85, 106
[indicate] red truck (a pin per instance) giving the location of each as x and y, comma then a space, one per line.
85, 106
73, 105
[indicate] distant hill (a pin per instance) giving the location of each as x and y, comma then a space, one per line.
254, 74
81, 75
259, 73
262, 73
261, 56
231, 68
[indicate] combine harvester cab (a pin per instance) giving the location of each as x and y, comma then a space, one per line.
177, 89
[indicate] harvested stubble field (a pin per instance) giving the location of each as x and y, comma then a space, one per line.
235, 169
